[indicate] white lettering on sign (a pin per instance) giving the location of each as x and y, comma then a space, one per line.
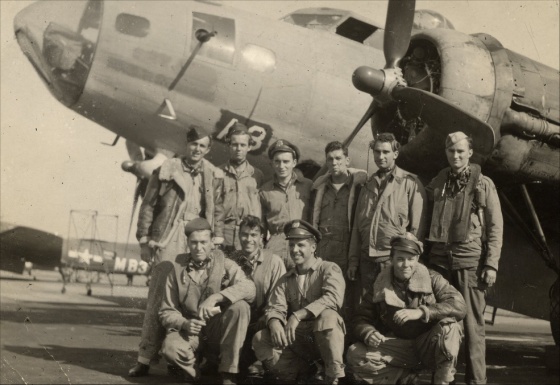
142, 267
132, 266
120, 265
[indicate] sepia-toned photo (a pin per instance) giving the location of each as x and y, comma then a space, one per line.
247, 192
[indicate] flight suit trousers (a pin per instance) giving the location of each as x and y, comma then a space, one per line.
322, 338
220, 341
474, 292
278, 244
396, 358
153, 332
334, 250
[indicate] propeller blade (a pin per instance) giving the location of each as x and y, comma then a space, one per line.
372, 109
398, 28
134, 151
442, 115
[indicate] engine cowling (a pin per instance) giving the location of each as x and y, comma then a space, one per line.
516, 96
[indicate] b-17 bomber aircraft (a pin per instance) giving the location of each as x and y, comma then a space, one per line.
147, 70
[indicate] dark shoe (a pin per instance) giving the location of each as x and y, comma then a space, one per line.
174, 370
139, 370
229, 378
208, 367
330, 380
255, 370
188, 379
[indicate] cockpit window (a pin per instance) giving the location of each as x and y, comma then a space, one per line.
314, 21
355, 29
222, 44
337, 21
132, 25
69, 48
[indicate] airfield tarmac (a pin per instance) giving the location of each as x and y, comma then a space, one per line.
52, 338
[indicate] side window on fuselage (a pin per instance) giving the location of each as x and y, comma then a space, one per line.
221, 46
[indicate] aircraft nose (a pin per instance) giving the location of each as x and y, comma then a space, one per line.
59, 38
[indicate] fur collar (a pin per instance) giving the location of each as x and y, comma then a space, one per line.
383, 290
173, 167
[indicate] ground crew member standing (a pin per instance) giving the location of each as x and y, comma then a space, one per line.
241, 186
204, 307
406, 321
391, 203
302, 315
284, 198
336, 194
466, 232
181, 190
265, 269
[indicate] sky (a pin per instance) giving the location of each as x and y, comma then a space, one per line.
52, 160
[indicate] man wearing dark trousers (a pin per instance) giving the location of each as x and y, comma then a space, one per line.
466, 235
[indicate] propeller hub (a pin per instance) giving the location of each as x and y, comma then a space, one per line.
368, 80
378, 82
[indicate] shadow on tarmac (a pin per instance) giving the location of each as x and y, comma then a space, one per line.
50, 313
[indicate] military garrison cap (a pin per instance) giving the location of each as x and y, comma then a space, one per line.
237, 129
455, 137
197, 224
196, 133
407, 243
299, 229
282, 145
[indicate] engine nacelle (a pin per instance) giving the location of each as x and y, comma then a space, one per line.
515, 95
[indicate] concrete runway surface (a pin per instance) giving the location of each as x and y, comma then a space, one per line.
52, 338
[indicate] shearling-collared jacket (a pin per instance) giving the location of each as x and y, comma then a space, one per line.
426, 290
380, 215
164, 201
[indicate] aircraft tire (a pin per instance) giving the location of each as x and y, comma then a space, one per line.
554, 295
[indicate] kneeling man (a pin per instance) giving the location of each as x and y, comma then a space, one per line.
408, 321
204, 308
302, 316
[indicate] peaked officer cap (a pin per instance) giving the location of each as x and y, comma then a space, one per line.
282, 145
300, 229
407, 243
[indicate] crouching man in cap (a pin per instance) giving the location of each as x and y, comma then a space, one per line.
204, 308
181, 190
302, 316
408, 321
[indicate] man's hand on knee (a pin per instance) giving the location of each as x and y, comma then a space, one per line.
291, 327
193, 326
405, 315
375, 339
278, 335
207, 309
